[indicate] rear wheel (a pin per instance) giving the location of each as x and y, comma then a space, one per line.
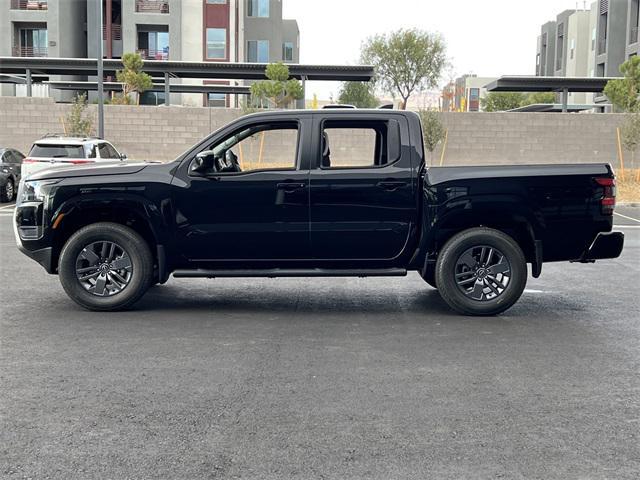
8, 191
106, 267
481, 271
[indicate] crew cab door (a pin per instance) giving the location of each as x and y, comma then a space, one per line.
251, 202
362, 196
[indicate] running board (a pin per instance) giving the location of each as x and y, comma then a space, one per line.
282, 272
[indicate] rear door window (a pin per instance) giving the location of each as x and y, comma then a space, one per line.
56, 151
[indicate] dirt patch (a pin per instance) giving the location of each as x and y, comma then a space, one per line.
628, 183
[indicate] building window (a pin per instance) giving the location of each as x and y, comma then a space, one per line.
216, 100
258, 8
216, 43
29, 4
33, 42
152, 6
153, 45
258, 51
572, 49
217, 2
287, 51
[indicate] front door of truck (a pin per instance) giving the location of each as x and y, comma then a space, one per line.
246, 197
362, 197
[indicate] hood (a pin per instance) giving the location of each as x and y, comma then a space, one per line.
91, 170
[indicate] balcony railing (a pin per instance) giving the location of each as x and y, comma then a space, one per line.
116, 32
152, 6
29, 4
148, 54
633, 35
29, 51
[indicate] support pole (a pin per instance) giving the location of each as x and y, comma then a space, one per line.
100, 73
167, 90
109, 29
29, 82
304, 92
565, 100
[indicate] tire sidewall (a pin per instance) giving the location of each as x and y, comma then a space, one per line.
4, 195
131, 242
445, 271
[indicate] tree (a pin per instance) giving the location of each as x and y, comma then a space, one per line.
540, 97
279, 90
77, 124
624, 92
501, 101
406, 61
358, 94
133, 79
433, 132
630, 136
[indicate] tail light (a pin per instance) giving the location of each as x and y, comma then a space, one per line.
608, 199
79, 162
49, 160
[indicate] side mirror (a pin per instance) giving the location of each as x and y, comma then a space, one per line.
123, 157
203, 162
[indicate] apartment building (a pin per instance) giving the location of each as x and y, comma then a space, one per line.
589, 43
179, 30
41, 28
465, 93
545, 58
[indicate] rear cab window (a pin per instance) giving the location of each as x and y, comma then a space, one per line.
40, 150
359, 143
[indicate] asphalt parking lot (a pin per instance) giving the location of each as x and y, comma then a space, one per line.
322, 378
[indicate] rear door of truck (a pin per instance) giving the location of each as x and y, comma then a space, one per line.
362, 198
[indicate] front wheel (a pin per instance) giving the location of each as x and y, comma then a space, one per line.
481, 271
8, 191
106, 267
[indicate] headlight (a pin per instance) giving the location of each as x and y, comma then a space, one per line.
34, 191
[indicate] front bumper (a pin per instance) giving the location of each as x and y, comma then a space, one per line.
43, 256
605, 246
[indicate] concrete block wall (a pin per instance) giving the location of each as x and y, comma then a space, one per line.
142, 132
163, 133
529, 138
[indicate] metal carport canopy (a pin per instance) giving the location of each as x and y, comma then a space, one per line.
157, 87
549, 84
158, 68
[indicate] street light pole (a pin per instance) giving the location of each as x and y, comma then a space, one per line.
100, 74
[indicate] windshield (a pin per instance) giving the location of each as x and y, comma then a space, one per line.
57, 151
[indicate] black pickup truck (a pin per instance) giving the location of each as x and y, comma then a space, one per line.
330, 193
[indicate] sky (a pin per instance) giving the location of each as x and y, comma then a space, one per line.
489, 38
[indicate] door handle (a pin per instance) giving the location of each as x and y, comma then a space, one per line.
391, 186
291, 186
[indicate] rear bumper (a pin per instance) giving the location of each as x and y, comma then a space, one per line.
606, 245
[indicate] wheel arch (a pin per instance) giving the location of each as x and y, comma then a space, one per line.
138, 214
508, 217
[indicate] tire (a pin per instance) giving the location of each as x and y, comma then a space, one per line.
430, 277
117, 286
487, 286
8, 191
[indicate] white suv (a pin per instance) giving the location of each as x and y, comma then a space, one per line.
59, 151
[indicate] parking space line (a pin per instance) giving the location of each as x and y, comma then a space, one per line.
628, 218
